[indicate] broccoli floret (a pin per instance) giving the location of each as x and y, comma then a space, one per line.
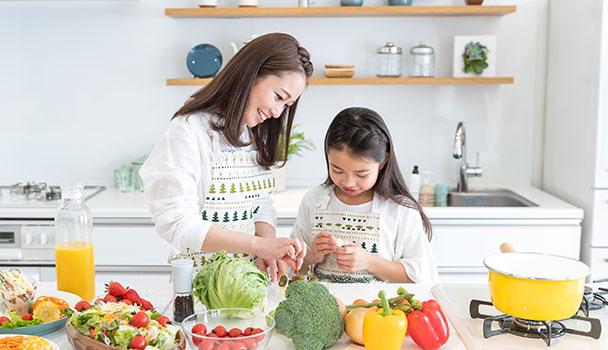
310, 316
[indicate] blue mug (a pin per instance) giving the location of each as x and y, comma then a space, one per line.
351, 2
400, 2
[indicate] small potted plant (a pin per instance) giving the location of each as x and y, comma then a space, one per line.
475, 58
297, 144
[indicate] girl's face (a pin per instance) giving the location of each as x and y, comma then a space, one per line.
271, 94
354, 177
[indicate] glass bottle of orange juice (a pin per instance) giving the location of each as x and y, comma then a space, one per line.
74, 244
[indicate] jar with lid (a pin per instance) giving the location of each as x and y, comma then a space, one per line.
388, 61
422, 61
183, 300
74, 259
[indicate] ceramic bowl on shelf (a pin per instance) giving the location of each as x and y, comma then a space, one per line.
204, 61
230, 318
339, 72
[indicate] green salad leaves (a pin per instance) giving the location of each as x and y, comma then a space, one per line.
230, 282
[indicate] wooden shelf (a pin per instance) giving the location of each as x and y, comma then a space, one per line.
372, 81
342, 11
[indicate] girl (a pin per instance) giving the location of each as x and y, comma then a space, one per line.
362, 224
207, 180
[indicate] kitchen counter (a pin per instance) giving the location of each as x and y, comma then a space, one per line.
111, 204
346, 292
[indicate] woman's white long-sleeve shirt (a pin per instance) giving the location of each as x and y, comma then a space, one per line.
402, 236
177, 176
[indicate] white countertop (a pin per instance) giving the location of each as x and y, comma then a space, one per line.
111, 204
160, 295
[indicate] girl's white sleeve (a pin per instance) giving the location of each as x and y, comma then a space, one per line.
170, 176
302, 229
416, 253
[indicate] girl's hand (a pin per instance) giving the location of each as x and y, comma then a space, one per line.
352, 258
272, 267
323, 244
291, 251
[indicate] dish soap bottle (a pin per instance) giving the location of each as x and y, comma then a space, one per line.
183, 300
74, 244
427, 190
413, 183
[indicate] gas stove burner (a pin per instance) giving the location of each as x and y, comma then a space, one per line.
32, 191
545, 330
592, 301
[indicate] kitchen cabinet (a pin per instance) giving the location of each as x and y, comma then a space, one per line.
351, 11
575, 161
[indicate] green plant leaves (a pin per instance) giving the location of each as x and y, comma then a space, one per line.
475, 58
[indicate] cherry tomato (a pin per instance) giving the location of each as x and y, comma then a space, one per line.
138, 342
211, 335
126, 301
258, 331
199, 327
206, 344
140, 319
163, 320
224, 346
98, 300
235, 332
220, 331
27, 317
4, 319
375, 300
251, 344
247, 331
82, 305
196, 340
359, 301
239, 346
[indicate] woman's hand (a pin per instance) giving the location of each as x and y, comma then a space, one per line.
272, 267
291, 251
323, 244
352, 258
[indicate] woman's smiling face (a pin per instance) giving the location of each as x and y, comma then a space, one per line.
271, 95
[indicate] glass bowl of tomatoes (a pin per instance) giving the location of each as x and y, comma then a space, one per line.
228, 329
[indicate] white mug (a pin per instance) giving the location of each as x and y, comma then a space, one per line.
209, 3
250, 3
305, 3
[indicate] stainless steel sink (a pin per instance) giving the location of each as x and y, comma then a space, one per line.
488, 198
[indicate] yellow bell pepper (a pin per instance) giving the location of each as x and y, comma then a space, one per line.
384, 329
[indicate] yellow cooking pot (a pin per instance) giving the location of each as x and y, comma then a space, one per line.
534, 286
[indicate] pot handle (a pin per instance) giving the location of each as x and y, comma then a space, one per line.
506, 247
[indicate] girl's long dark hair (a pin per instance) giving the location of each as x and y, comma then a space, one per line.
362, 132
227, 94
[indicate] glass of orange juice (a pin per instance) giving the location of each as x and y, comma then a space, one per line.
74, 258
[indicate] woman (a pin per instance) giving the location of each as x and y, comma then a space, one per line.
208, 179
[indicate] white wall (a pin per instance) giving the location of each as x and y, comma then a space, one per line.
82, 84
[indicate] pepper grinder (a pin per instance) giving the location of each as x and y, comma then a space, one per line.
183, 300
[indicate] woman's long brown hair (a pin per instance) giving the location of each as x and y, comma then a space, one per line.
227, 95
362, 132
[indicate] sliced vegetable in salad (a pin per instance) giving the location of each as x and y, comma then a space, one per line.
124, 326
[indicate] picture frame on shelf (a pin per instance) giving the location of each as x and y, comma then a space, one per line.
487, 43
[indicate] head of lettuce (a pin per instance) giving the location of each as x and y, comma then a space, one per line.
230, 282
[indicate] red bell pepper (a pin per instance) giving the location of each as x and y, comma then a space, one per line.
428, 328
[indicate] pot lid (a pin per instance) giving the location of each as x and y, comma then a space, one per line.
389, 48
421, 49
537, 266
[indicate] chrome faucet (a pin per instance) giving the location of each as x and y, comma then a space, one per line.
460, 152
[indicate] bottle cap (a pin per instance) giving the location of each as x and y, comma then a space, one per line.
182, 275
415, 171
71, 190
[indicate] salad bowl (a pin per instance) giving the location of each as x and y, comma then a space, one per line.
81, 342
243, 320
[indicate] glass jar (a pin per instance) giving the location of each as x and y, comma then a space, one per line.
422, 61
183, 300
388, 61
74, 244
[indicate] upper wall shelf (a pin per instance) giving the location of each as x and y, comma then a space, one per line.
373, 81
342, 11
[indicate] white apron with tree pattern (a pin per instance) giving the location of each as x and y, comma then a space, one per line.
361, 228
238, 186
